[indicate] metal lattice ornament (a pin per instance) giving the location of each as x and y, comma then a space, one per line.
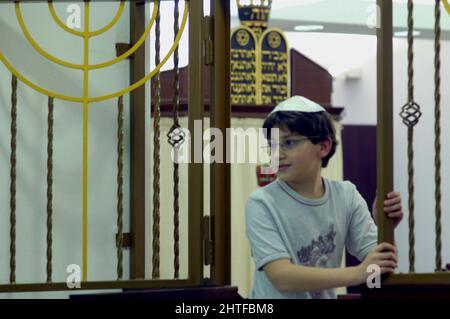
410, 113
176, 136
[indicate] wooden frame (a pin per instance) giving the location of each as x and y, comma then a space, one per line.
138, 160
220, 118
137, 147
385, 120
385, 149
91, 285
241, 111
195, 170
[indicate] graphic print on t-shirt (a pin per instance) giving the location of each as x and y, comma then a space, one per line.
317, 253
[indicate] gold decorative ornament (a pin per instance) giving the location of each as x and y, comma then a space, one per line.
260, 69
274, 40
254, 14
446, 5
242, 38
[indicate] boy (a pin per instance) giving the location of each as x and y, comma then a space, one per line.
299, 225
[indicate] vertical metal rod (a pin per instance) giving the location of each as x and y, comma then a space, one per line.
85, 218
176, 106
120, 134
156, 155
411, 220
49, 188
437, 132
12, 188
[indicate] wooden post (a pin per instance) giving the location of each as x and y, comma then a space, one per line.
220, 118
137, 147
195, 170
384, 118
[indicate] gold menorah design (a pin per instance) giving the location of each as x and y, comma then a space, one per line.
86, 99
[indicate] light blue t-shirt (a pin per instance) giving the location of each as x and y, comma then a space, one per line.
281, 223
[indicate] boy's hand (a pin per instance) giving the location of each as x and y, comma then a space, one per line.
384, 255
392, 207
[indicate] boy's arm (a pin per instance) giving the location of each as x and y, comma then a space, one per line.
362, 233
289, 277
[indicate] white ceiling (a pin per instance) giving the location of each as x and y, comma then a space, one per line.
347, 40
350, 16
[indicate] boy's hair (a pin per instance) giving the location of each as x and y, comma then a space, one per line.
317, 126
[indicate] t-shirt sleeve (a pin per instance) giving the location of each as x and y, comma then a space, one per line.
362, 234
265, 239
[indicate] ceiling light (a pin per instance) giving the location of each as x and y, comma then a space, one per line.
308, 27
405, 33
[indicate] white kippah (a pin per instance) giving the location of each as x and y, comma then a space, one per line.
299, 104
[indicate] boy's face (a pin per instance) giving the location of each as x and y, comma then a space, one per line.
299, 160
